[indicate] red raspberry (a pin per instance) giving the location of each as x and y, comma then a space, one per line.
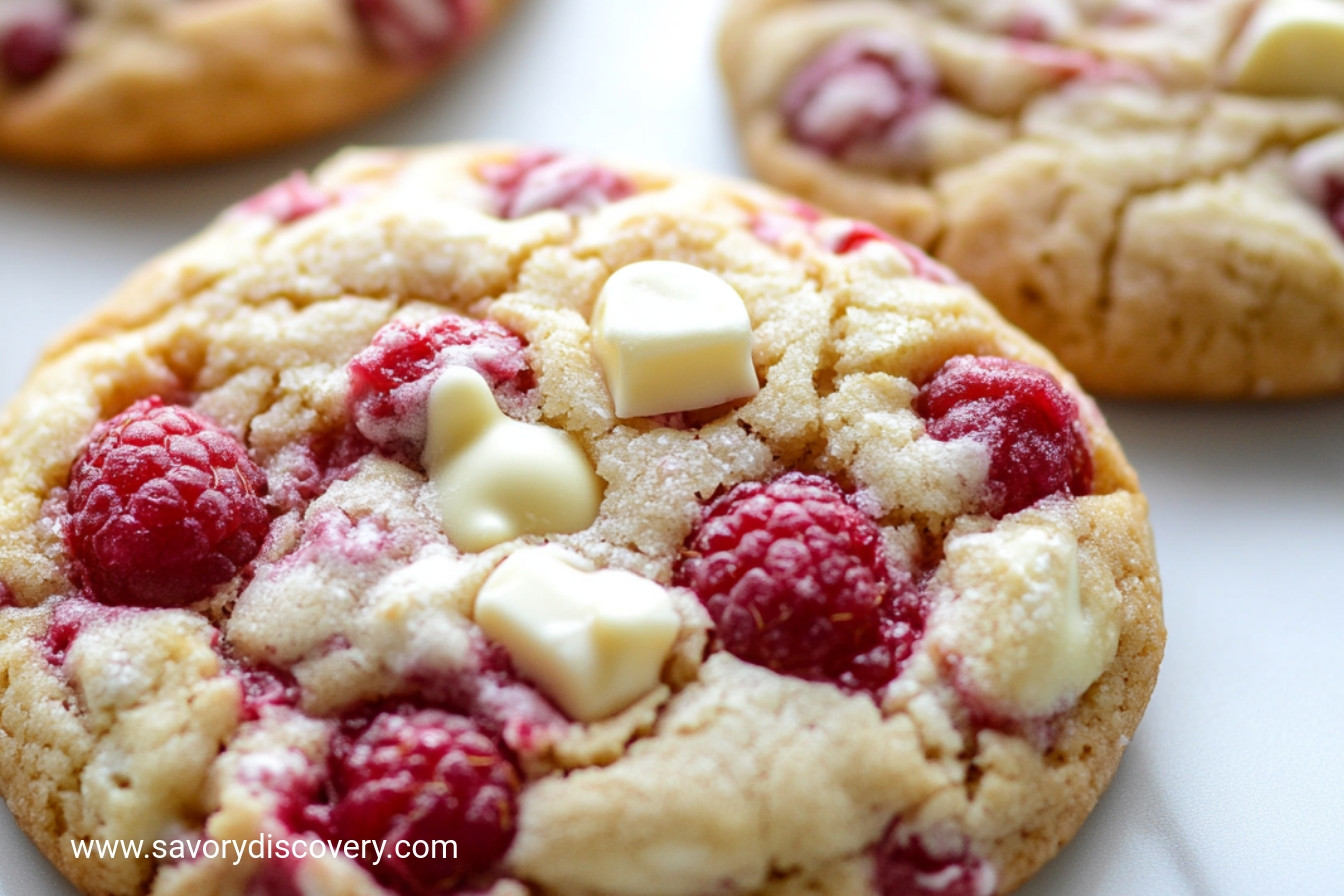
390, 380
286, 779
32, 46
1069, 64
289, 200
1334, 202
424, 775
415, 31
1029, 26
910, 865
859, 233
862, 91
1025, 419
264, 690
69, 619
798, 580
539, 181
303, 470
163, 505
7, 598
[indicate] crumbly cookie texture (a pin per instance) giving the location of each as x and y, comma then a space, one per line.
882, 622
124, 83
1141, 186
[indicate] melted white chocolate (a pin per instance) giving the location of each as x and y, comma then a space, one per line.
1028, 634
497, 478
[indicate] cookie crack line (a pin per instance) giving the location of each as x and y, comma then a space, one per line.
1269, 146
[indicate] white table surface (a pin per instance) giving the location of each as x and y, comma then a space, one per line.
1234, 784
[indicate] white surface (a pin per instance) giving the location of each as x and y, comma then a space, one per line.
1233, 786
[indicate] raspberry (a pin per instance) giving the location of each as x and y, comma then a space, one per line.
1069, 64
854, 235
1334, 202
1029, 26
303, 470
264, 690
857, 235
910, 865
1025, 419
7, 598
860, 92
797, 580
34, 45
424, 774
285, 778
69, 619
390, 380
414, 31
289, 200
163, 505
538, 181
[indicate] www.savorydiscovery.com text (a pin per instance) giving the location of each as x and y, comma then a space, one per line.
264, 847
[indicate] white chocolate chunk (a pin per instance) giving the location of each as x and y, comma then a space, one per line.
1291, 47
594, 641
1312, 168
672, 337
1026, 636
497, 478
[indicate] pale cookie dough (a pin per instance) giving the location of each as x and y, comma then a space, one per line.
1120, 177
231, 619
132, 83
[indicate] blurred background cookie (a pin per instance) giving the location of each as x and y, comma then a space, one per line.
118, 83
1154, 190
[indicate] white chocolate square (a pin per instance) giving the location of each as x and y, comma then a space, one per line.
1293, 48
593, 640
672, 337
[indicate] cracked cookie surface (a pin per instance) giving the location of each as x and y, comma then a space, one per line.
1146, 188
126, 83
912, 492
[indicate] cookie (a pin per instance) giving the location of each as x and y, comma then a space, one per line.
123, 83
1152, 190
615, 531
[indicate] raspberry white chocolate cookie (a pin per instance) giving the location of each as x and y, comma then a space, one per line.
1137, 184
120, 83
387, 538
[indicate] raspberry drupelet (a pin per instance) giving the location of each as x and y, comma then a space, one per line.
163, 506
1023, 418
424, 775
798, 580
390, 380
